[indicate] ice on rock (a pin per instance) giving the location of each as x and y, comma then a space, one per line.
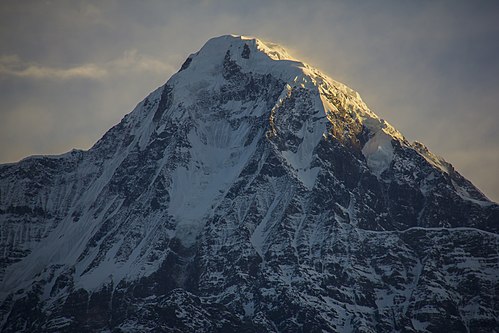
378, 152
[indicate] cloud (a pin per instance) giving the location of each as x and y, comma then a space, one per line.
132, 60
129, 61
12, 65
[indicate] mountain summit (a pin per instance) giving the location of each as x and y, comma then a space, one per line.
249, 193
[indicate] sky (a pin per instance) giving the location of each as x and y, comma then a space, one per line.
70, 70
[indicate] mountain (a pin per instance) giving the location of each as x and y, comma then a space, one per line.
250, 193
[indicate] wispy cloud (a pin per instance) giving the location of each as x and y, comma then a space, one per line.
130, 60
12, 65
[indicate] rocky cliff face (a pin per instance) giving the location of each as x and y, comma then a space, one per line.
253, 193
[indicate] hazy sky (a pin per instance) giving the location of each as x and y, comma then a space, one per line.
69, 70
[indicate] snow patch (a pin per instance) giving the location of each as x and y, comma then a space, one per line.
466, 196
437, 161
218, 156
378, 152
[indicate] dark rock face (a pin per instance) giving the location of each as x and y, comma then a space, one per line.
246, 52
250, 193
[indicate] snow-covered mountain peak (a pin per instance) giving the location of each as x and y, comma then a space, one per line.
249, 79
206, 71
247, 45
250, 191
250, 55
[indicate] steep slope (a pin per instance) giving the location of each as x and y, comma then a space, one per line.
250, 192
